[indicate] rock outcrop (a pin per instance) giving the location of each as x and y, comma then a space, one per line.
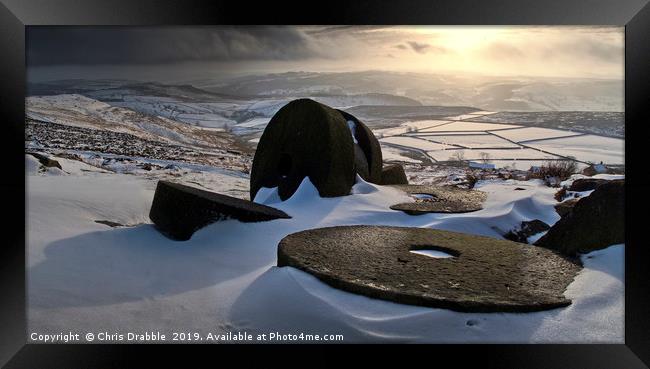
595, 222
46, 161
525, 230
586, 184
566, 206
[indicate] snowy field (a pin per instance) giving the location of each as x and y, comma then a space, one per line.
88, 277
504, 145
588, 148
474, 141
214, 124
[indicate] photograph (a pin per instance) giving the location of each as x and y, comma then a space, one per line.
325, 184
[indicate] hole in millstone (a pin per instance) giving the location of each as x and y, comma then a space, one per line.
424, 197
434, 251
284, 165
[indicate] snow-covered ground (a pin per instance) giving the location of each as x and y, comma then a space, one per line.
114, 143
503, 145
82, 112
84, 276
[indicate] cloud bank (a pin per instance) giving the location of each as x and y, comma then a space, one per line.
547, 51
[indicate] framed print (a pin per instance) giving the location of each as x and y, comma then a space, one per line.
452, 177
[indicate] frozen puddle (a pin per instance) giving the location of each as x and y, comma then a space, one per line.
437, 254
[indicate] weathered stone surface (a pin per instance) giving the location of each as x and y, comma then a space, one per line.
45, 161
565, 207
586, 184
305, 139
440, 199
486, 274
525, 230
393, 174
596, 221
370, 147
178, 210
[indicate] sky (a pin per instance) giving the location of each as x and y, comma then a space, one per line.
175, 54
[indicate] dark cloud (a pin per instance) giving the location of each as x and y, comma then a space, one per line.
418, 47
155, 45
339, 30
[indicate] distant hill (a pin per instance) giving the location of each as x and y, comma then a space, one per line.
484, 92
116, 90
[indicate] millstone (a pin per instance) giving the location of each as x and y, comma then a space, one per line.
370, 147
361, 163
178, 210
440, 199
485, 274
305, 139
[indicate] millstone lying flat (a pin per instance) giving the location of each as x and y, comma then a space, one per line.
486, 274
178, 210
441, 199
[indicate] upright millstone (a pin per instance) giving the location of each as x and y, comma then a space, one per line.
305, 139
369, 147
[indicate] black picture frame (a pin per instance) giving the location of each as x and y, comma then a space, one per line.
15, 15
